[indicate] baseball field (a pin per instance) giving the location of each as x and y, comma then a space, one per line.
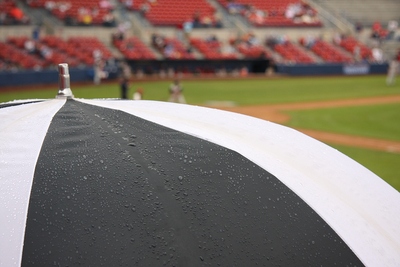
358, 115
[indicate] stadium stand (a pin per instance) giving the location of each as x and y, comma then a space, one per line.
274, 13
250, 46
78, 12
51, 50
329, 52
212, 48
18, 58
133, 48
11, 14
351, 44
176, 12
140, 18
292, 53
171, 48
366, 12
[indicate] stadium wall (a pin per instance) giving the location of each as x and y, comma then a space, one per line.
22, 78
333, 69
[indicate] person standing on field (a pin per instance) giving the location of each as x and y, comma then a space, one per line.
393, 70
176, 92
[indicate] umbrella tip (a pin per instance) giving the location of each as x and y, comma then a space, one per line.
64, 90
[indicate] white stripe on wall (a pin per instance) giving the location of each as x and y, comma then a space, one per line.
22, 131
362, 209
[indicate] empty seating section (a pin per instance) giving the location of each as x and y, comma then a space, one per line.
278, 13
212, 49
365, 12
351, 43
134, 48
329, 53
293, 54
175, 12
85, 12
51, 50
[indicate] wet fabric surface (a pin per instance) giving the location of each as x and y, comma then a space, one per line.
113, 189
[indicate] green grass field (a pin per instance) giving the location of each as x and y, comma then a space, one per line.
380, 121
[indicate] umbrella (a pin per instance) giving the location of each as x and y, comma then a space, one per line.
147, 183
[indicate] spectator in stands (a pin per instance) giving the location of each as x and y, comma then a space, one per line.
377, 55
109, 20
206, 21
187, 28
337, 38
49, 5
106, 4
218, 20
359, 28
254, 15
45, 52
176, 92
309, 41
196, 20
3, 17
228, 50
17, 16
211, 39
119, 35
158, 41
144, 8
378, 33
128, 4
30, 46
169, 51
292, 10
392, 28
234, 8
70, 20
36, 33
84, 16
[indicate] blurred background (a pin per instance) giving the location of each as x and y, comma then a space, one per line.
219, 37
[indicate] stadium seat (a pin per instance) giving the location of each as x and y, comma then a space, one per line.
329, 53
350, 43
212, 49
272, 13
293, 54
176, 12
134, 48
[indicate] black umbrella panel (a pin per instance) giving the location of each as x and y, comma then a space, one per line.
145, 183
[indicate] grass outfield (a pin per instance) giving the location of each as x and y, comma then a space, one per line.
379, 121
